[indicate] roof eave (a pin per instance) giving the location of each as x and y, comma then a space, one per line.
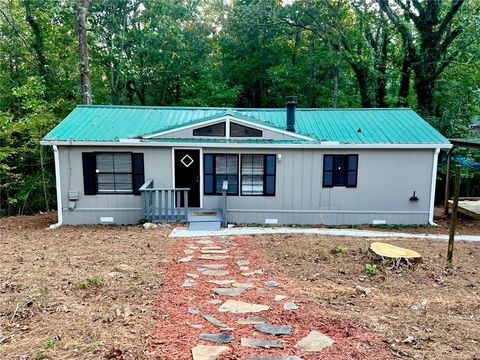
329, 145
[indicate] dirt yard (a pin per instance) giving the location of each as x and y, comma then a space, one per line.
78, 292
426, 312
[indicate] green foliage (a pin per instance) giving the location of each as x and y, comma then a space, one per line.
220, 53
340, 250
371, 269
47, 344
92, 281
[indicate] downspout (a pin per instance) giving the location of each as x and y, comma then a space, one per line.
58, 187
432, 189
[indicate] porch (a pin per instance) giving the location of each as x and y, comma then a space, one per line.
171, 205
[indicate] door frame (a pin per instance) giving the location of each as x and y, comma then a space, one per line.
201, 169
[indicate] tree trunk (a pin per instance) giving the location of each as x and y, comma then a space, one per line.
85, 87
424, 87
361, 73
404, 82
37, 45
381, 90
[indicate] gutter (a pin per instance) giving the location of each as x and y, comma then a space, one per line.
233, 145
58, 188
433, 186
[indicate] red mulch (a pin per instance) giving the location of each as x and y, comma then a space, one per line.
174, 337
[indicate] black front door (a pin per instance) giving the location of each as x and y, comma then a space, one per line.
187, 174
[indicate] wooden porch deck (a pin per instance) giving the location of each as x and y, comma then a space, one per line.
469, 207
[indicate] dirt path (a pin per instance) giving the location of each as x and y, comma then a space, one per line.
189, 308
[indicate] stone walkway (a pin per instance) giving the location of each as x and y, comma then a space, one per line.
219, 302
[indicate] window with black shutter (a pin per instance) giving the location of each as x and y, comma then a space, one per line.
258, 175
340, 170
112, 173
217, 168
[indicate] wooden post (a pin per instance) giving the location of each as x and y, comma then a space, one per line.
447, 180
453, 219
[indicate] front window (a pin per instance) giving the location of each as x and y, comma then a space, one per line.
114, 173
340, 170
220, 167
258, 175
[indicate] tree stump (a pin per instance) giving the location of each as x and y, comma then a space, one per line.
394, 255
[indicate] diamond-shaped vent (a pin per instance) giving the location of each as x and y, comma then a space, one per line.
187, 160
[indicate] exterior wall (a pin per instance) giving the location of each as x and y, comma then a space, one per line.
386, 181
125, 209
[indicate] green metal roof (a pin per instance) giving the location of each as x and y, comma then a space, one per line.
101, 123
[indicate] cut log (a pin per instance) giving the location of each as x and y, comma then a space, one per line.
387, 251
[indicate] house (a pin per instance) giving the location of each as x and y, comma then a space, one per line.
119, 164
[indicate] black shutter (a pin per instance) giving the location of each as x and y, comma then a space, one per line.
138, 172
89, 174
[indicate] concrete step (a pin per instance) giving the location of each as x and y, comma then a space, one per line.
204, 219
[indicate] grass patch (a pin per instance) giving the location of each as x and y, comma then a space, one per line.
371, 269
340, 250
92, 281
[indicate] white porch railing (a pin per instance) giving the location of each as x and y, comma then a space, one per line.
164, 204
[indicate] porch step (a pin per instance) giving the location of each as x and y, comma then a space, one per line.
204, 219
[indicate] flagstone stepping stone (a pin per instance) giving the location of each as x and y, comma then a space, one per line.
189, 283
240, 307
204, 242
243, 262
205, 352
212, 266
271, 284
214, 251
274, 357
212, 248
214, 321
188, 252
213, 257
245, 286
222, 282
263, 343
252, 273
315, 341
213, 272
193, 310
196, 326
252, 320
261, 290
274, 329
218, 338
195, 276
232, 291
244, 268
215, 301
185, 259
290, 306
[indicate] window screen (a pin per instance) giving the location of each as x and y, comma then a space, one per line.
220, 167
114, 173
258, 175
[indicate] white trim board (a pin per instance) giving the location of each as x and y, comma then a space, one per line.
228, 119
324, 145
